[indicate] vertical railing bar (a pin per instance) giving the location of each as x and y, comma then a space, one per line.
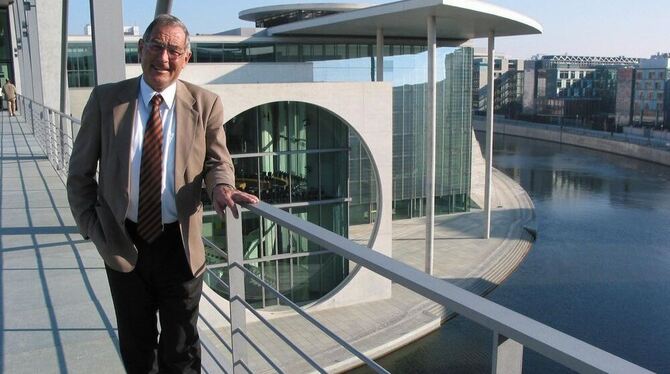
494, 353
238, 313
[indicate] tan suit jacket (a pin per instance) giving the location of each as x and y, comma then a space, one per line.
103, 143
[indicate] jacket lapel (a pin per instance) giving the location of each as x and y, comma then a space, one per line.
187, 120
123, 114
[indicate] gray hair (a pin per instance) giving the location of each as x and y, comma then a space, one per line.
167, 20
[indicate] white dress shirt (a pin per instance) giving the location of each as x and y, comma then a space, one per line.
168, 204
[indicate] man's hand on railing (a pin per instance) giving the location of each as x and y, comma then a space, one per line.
227, 196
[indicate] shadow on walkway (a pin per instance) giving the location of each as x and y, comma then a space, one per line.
55, 310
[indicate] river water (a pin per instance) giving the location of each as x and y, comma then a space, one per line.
599, 270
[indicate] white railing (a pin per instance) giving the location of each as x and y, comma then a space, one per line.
53, 130
511, 331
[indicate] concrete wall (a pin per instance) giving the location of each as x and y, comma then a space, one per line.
78, 98
215, 74
654, 134
242, 72
600, 144
49, 15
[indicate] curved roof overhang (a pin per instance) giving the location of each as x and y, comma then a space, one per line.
455, 20
255, 14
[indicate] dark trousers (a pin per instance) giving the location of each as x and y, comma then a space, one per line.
161, 283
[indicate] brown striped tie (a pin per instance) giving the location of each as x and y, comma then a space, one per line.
149, 217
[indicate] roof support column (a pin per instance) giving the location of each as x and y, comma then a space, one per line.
163, 7
108, 46
489, 138
380, 54
431, 121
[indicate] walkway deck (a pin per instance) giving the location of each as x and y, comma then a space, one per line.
57, 315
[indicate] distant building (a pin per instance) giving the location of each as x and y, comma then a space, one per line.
652, 91
508, 83
573, 89
508, 90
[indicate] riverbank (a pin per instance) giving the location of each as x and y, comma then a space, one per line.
597, 140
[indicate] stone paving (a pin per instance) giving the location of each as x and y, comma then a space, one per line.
57, 315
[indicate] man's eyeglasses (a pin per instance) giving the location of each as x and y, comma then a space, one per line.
158, 47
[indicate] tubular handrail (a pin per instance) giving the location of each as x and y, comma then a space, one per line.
60, 114
53, 130
558, 346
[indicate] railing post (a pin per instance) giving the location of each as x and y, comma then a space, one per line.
238, 319
507, 355
32, 116
63, 140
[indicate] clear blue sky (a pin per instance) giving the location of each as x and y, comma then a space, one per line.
578, 27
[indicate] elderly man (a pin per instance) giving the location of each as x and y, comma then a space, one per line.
153, 140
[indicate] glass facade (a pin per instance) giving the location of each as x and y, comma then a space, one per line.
6, 52
294, 155
80, 66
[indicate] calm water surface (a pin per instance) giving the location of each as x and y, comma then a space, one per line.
599, 270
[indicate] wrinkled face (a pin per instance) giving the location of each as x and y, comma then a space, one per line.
163, 56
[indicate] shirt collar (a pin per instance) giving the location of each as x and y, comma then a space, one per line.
146, 93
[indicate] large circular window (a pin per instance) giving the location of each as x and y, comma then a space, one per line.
306, 160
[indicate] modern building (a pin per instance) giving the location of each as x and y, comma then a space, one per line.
326, 114
508, 90
508, 85
650, 98
578, 90
6, 50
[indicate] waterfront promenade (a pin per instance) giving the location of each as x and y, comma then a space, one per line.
57, 315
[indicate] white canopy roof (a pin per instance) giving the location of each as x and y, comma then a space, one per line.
456, 20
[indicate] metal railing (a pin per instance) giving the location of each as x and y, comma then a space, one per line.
511, 331
53, 130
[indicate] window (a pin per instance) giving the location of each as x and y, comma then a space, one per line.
207, 52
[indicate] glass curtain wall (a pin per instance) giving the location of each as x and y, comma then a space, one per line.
6, 52
453, 143
293, 155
